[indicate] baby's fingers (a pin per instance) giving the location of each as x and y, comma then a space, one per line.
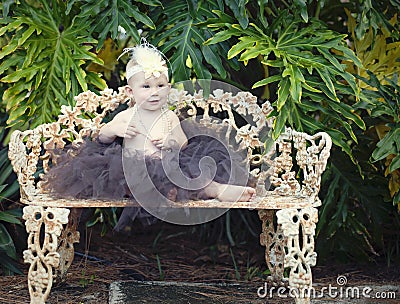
157, 141
130, 133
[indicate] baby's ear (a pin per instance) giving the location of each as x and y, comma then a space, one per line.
128, 90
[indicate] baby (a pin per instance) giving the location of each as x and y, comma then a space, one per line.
149, 126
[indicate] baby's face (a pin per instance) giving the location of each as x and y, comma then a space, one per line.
149, 94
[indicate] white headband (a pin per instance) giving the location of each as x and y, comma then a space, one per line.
148, 59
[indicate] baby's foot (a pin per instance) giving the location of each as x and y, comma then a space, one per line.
233, 193
172, 194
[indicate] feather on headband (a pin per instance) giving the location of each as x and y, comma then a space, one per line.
146, 58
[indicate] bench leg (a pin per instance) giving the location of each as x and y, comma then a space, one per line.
274, 242
44, 226
298, 227
68, 237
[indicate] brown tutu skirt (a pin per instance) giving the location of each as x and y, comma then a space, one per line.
109, 172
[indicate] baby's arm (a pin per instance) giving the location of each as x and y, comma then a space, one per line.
120, 126
177, 133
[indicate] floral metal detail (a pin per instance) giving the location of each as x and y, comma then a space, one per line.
68, 237
274, 241
42, 252
298, 226
311, 153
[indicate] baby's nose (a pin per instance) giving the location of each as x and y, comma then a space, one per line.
155, 91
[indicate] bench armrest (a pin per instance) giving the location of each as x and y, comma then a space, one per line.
23, 161
299, 163
32, 151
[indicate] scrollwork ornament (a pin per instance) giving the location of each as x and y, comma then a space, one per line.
33, 216
42, 252
300, 255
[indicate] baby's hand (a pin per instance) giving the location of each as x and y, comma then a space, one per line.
130, 132
164, 144
123, 129
117, 128
159, 143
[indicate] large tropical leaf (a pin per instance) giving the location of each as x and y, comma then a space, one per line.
8, 182
369, 15
383, 102
378, 52
353, 218
375, 14
181, 35
105, 18
8, 254
304, 68
9, 187
44, 62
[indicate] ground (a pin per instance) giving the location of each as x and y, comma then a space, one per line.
165, 252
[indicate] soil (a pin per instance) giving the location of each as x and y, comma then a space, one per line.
165, 252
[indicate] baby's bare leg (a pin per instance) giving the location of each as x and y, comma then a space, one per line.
230, 193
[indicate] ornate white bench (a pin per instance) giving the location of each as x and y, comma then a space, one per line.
295, 163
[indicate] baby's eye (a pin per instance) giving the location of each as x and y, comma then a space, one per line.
146, 86
161, 85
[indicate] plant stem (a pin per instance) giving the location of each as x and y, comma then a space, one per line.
160, 268
237, 273
285, 3
228, 229
318, 9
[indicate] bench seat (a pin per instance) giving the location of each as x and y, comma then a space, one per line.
269, 201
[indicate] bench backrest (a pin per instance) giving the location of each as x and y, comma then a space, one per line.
32, 150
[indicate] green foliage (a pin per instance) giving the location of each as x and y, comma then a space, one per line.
385, 105
368, 15
375, 15
303, 60
86, 280
353, 216
7, 247
5, 7
9, 188
105, 17
8, 255
43, 62
181, 35
104, 217
378, 52
356, 215
8, 183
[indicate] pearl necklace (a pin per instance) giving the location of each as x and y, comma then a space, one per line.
166, 122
